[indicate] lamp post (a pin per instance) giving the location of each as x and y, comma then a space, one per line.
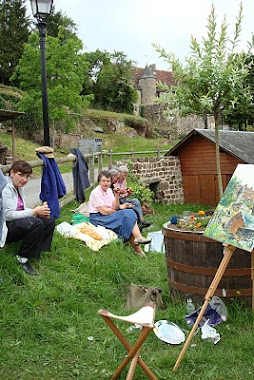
41, 9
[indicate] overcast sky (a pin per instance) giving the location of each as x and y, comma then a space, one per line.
132, 26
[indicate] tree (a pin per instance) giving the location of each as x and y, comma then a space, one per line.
14, 32
212, 77
110, 80
242, 113
65, 71
57, 19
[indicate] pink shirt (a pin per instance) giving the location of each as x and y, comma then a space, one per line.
98, 198
122, 185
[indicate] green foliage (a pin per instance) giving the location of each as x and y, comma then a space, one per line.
57, 19
143, 193
102, 118
242, 113
140, 191
213, 76
14, 32
9, 97
110, 80
65, 70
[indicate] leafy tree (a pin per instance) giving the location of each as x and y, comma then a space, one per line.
110, 80
65, 71
57, 19
213, 76
242, 113
14, 32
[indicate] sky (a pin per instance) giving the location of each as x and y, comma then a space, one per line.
132, 26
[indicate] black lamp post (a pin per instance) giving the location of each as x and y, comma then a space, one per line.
41, 9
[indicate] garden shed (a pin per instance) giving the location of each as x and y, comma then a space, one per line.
196, 153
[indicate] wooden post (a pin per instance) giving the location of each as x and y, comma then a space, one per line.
158, 153
228, 252
100, 162
13, 141
92, 168
252, 277
109, 159
132, 154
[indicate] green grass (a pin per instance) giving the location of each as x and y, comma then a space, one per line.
45, 321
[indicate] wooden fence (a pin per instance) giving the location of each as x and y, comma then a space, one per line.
91, 158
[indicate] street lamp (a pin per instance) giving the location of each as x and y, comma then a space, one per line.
41, 9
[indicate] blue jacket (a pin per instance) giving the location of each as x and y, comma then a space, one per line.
52, 185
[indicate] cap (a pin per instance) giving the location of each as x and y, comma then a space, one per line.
46, 150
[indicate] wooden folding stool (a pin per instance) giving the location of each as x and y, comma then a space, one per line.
145, 318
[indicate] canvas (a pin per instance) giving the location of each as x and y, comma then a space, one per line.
233, 219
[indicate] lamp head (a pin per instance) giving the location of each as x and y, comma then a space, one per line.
41, 9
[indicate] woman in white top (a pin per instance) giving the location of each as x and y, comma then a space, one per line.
34, 227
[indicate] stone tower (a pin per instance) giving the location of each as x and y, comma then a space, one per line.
147, 84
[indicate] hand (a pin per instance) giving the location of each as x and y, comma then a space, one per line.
126, 205
129, 190
117, 190
129, 205
42, 211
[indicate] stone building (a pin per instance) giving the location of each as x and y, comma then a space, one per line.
148, 84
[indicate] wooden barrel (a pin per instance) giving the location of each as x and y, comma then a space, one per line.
192, 261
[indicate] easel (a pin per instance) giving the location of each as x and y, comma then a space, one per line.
228, 252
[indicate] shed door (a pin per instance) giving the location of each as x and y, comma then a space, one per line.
203, 188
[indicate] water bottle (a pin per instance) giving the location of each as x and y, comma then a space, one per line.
190, 307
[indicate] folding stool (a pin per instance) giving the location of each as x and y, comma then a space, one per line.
145, 318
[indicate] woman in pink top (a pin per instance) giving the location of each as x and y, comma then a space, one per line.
105, 210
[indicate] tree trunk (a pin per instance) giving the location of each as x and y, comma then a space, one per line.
217, 150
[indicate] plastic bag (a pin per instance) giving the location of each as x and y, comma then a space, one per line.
215, 313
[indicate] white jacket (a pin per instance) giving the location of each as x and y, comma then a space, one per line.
10, 202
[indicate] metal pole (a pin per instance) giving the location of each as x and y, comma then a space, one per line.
42, 32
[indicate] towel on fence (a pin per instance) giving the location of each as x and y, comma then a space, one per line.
80, 175
75, 232
52, 185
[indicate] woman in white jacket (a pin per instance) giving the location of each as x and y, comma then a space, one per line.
34, 227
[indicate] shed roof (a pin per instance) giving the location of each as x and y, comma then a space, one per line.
237, 143
9, 114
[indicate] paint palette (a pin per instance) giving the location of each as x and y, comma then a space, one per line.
168, 332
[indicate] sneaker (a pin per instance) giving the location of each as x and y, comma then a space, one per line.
145, 224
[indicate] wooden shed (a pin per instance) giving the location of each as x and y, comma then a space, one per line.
196, 153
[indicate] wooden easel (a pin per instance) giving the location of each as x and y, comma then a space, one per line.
228, 252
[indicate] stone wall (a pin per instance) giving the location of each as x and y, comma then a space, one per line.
165, 172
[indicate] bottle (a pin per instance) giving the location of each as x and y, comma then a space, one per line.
190, 307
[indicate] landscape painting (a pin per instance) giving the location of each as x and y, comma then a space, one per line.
233, 219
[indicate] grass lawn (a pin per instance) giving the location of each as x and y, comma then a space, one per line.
46, 320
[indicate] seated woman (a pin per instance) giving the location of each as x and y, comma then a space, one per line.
126, 192
105, 210
34, 227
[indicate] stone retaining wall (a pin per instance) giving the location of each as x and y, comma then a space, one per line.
167, 170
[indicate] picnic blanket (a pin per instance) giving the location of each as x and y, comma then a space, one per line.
94, 238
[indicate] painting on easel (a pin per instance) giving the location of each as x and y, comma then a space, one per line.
233, 219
